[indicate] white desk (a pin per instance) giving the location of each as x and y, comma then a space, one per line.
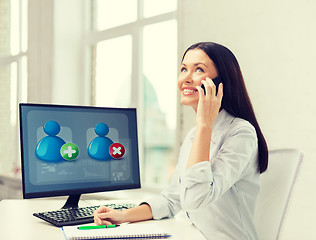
17, 221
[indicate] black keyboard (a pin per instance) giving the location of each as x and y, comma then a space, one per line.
75, 216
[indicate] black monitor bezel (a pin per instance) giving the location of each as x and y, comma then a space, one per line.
67, 192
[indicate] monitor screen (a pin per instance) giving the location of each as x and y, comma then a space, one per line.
71, 150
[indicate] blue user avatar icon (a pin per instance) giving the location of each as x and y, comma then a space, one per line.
99, 146
48, 148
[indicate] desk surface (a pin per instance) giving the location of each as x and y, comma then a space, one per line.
17, 221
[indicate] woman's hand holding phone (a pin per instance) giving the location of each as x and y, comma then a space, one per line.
209, 102
216, 81
206, 113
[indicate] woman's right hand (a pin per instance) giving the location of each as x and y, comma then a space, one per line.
209, 103
107, 216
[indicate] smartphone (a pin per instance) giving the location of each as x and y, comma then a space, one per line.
216, 81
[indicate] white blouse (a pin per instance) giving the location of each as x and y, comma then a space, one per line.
218, 196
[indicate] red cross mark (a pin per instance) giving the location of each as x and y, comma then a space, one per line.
117, 150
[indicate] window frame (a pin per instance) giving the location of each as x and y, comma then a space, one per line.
20, 94
135, 29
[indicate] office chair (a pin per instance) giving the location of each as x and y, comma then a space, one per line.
277, 184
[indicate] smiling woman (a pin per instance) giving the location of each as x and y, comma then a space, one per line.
216, 180
195, 67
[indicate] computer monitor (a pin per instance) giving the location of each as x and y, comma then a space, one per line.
72, 150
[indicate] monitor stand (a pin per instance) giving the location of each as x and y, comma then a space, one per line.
72, 201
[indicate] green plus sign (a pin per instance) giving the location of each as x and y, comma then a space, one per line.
69, 151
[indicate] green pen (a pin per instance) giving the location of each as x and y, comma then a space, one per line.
97, 227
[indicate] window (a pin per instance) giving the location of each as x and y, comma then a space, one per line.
134, 64
112, 89
13, 76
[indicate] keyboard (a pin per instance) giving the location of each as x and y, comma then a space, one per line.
75, 216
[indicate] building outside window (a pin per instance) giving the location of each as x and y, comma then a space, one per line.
134, 64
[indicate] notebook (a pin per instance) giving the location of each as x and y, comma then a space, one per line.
124, 231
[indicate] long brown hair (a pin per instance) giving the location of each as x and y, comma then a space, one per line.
235, 100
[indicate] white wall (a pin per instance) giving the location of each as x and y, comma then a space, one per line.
274, 42
70, 62
40, 51
57, 52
